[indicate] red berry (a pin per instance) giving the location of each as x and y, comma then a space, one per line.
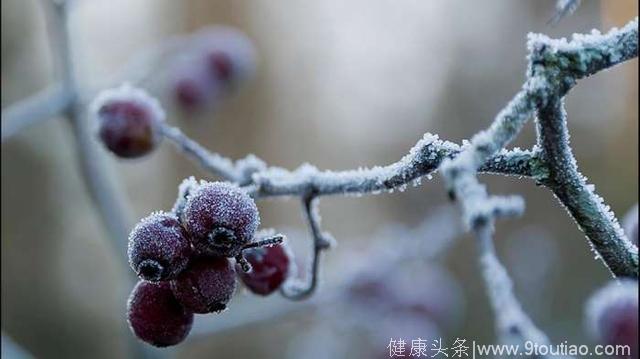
221, 219
159, 248
269, 268
189, 93
612, 313
228, 53
207, 285
155, 316
192, 87
128, 121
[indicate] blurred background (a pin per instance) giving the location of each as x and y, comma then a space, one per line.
339, 85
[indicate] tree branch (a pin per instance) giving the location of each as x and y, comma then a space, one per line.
297, 289
37, 108
594, 218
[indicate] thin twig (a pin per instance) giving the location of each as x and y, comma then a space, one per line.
298, 289
112, 208
554, 68
594, 217
37, 108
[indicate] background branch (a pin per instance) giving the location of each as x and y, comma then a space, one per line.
46, 104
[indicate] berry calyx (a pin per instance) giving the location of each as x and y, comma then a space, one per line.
155, 315
270, 268
207, 285
221, 219
159, 248
128, 121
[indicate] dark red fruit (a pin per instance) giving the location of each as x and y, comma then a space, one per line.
128, 121
613, 314
220, 65
159, 248
155, 315
221, 219
269, 268
229, 55
207, 285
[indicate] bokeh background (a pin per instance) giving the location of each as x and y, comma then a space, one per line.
339, 84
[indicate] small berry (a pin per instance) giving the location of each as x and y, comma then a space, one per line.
192, 86
270, 267
155, 316
229, 55
128, 120
612, 314
207, 285
630, 223
221, 219
159, 248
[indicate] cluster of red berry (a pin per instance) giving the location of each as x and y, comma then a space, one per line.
185, 260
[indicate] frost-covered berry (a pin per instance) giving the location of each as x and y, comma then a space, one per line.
270, 267
207, 285
630, 224
221, 219
192, 86
128, 121
159, 248
612, 314
229, 55
155, 315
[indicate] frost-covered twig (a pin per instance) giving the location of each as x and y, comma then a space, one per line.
564, 8
106, 196
593, 216
37, 108
422, 160
239, 172
555, 66
561, 63
297, 289
103, 191
512, 324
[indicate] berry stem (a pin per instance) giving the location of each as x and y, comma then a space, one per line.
275, 239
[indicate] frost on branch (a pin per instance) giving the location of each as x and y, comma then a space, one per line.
554, 68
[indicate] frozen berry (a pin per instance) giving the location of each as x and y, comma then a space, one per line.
207, 285
228, 53
156, 316
192, 86
128, 121
269, 268
612, 314
221, 219
159, 248
630, 223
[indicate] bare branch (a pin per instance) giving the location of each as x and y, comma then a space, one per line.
555, 66
46, 104
296, 289
593, 216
